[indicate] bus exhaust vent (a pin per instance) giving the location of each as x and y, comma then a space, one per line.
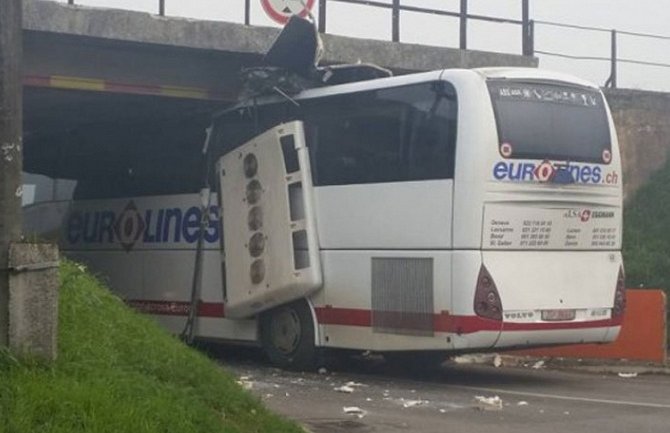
402, 296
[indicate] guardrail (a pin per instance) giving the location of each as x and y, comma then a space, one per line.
613, 58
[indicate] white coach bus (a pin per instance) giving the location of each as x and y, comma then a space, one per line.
442, 212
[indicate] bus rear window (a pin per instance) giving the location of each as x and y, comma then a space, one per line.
546, 121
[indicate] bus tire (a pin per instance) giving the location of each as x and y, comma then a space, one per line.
287, 336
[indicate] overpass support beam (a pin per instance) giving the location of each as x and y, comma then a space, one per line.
28, 273
10, 146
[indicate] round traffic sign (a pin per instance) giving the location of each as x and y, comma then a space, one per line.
281, 10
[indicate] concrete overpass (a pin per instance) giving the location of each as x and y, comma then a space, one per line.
102, 75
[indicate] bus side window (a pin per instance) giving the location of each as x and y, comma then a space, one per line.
433, 142
359, 148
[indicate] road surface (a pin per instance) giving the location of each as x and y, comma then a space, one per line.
391, 400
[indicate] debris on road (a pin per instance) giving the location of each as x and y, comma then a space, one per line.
488, 403
539, 364
323, 370
413, 403
627, 375
474, 359
245, 383
344, 388
497, 361
354, 410
522, 403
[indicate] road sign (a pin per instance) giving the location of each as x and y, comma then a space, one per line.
281, 10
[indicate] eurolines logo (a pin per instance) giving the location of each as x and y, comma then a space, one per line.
548, 172
130, 226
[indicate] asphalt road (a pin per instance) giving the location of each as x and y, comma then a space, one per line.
533, 400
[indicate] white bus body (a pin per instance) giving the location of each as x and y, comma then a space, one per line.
484, 215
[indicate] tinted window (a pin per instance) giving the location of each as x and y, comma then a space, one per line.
389, 135
235, 127
545, 121
38, 188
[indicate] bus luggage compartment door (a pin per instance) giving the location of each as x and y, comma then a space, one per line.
270, 246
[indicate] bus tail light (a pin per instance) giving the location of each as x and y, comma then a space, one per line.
487, 299
619, 295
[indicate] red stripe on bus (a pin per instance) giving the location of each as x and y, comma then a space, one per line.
328, 315
343, 316
445, 322
177, 308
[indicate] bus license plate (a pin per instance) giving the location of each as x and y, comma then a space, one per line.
558, 315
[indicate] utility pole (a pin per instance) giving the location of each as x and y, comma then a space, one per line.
11, 144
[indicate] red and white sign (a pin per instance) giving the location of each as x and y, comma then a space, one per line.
281, 10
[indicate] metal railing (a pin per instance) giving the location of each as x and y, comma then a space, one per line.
614, 59
462, 14
526, 24
397, 7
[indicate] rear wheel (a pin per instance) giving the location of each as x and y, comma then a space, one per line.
287, 336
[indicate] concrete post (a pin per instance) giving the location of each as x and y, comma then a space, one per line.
10, 146
33, 300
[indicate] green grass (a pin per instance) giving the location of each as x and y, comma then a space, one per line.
119, 372
646, 236
646, 243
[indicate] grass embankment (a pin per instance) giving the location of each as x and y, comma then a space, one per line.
118, 372
646, 243
646, 236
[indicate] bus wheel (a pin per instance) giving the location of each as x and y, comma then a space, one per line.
287, 336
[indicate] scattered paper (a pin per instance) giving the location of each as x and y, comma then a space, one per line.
244, 383
522, 403
323, 370
539, 364
473, 359
497, 361
413, 403
488, 403
354, 410
344, 388
627, 375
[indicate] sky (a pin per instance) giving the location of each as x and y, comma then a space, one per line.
644, 16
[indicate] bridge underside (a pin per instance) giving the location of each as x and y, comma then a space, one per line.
107, 85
